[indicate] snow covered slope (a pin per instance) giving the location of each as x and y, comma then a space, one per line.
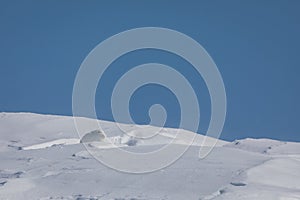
42, 158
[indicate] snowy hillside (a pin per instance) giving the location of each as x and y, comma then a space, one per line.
42, 157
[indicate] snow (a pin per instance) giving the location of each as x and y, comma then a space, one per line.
53, 143
287, 173
93, 136
42, 158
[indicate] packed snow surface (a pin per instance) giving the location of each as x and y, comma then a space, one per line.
43, 157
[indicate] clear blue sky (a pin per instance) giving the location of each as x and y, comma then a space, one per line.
255, 45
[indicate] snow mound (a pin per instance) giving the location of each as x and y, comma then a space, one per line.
93, 136
255, 145
266, 146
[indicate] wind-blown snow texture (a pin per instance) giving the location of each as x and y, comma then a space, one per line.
42, 158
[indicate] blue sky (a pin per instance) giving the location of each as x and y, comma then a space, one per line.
255, 45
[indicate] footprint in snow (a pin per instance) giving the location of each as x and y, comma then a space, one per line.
7, 175
238, 184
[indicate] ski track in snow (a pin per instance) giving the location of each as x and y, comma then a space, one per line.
42, 158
